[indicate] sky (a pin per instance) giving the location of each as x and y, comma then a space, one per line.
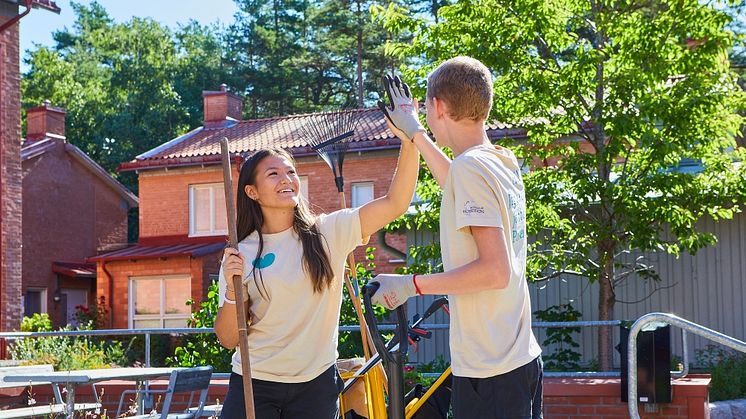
38, 26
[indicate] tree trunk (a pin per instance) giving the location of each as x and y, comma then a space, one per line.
606, 299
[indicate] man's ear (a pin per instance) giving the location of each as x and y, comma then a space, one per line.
251, 192
441, 109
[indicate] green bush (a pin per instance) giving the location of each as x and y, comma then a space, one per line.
67, 353
349, 343
38, 322
565, 357
203, 348
728, 369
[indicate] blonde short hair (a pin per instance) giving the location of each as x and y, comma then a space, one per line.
465, 84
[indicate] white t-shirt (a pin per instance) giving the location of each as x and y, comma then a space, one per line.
490, 331
293, 335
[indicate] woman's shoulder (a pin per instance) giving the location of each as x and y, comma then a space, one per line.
334, 218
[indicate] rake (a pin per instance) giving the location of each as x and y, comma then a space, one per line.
329, 134
241, 315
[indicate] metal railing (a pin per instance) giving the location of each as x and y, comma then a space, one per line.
684, 325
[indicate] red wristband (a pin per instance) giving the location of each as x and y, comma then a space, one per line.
416, 288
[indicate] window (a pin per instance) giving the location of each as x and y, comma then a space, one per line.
362, 192
34, 301
304, 187
207, 215
159, 302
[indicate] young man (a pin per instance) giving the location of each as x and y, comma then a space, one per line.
496, 360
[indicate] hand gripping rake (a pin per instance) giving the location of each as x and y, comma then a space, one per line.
241, 304
329, 134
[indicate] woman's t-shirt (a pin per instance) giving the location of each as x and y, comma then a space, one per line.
293, 330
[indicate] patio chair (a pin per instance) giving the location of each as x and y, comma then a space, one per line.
181, 381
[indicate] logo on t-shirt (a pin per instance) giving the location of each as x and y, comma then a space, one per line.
471, 208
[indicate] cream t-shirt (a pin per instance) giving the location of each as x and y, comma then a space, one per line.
293, 333
490, 331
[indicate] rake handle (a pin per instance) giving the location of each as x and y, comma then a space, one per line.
241, 303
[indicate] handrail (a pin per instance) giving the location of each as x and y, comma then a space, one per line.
672, 320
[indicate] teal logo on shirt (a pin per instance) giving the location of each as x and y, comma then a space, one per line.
265, 261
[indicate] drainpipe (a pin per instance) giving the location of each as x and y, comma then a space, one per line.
381, 236
111, 292
51, 6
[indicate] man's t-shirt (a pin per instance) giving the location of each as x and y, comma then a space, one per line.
293, 332
490, 331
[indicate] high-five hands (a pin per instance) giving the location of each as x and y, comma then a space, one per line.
401, 111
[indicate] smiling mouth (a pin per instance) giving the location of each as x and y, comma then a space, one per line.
284, 191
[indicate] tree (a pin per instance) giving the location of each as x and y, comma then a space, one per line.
614, 97
116, 82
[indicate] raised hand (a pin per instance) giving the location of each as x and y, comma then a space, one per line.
401, 110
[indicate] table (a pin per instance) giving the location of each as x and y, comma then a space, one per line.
71, 379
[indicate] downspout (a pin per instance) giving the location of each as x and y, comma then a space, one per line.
28, 3
111, 292
381, 237
16, 18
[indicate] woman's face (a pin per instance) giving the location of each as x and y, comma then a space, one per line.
276, 184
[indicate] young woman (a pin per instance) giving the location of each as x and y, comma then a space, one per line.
292, 263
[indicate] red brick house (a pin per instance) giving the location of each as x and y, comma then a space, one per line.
10, 160
73, 209
182, 228
182, 225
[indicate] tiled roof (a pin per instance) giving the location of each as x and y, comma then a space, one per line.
140, 251
202, 145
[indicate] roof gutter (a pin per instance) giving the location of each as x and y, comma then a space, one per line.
28, 4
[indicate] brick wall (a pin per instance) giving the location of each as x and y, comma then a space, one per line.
122, 270
10, 174
563, 398
567, 398
88, 216
164, 195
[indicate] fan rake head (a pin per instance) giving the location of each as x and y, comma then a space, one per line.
329, 134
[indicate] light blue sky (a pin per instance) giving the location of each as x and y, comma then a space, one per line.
38, 26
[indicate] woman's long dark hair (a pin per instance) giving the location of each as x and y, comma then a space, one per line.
250, 219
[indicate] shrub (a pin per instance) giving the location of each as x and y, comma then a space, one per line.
95, 316
38, 322
67, 353
564, 357
728, 369
203, 348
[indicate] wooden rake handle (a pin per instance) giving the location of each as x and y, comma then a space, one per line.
241, 303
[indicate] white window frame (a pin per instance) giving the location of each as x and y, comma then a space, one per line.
213, 188
43, 292
353, 196
162, 316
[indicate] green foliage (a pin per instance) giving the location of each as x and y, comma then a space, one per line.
350, 344
413, 374
203, 348
728, 369
564, 357
95, 316
630, 113
68, 353
38, 322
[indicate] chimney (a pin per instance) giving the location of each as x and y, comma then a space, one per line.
221, 106
45, 121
